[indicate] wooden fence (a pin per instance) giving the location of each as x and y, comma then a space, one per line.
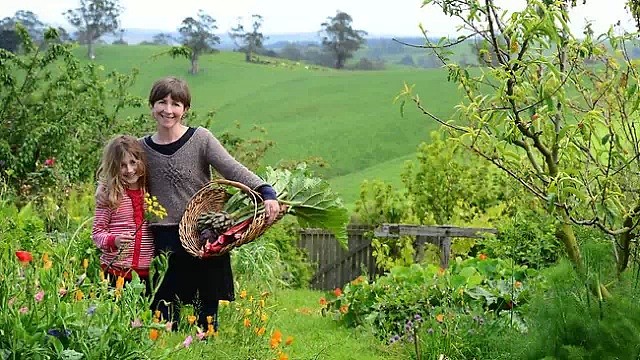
336, 266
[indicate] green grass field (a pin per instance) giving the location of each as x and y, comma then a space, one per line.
348, 118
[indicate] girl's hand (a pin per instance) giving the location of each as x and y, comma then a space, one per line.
123, 240
271, 210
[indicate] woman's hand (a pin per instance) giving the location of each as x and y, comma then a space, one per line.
271, 210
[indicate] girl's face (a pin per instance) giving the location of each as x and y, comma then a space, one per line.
129, 171
168, 112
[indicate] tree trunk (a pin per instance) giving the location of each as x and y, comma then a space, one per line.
568, 237
194, 65
247, 56
624, 247
90, 51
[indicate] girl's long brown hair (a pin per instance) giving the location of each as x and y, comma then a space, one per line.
108, 173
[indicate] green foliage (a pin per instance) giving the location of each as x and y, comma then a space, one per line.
93, 19
567, 322
528, 238
57, 114
310, 199
492, 285
554, 110
448, 187
296, 268
199, 35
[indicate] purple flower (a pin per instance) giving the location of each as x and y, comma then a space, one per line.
394, 339
408, 326
57, 333
39, 296
91, 310
417, 318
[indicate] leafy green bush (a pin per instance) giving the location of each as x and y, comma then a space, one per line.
528, 238
57, 113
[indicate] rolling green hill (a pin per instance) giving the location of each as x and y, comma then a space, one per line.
348, 118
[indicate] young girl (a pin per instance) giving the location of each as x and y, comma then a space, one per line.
119, 229
180, 160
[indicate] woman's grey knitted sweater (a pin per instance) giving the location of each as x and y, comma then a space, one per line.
173, 179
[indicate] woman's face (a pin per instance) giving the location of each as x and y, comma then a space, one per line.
168, 112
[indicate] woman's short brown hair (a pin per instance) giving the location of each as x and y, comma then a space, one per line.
177, 88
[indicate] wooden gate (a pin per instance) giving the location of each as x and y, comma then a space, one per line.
336, 266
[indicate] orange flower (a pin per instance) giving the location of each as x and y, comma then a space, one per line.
357, 280
441, 271
260, 331
210, 330
518, 284
209, 319
276, 339
344, 309
246, 322
337, 292
283, 356
289, 340
79, 295
440, 318
323, 301
153, 334
191, 319
119, 283
483, 257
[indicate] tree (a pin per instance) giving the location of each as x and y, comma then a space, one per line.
29, 20
340, 39
199, 36
93, 19
248, 42
163, 39
9, 40
563, 127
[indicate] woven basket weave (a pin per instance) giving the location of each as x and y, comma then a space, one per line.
212, 197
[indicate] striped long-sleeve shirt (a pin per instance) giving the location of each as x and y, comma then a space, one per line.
109, 223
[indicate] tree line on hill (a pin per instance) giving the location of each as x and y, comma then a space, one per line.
94, 19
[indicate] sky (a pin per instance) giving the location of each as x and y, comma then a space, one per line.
377, 17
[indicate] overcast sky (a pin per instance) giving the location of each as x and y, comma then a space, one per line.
378, 17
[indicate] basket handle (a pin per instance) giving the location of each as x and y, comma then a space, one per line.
241, 186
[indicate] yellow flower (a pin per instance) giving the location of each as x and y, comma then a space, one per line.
47, 265
191, 319
261, 304
209, 319
260, 331
224, 302
246, 322
120, 282
243, 294
79, 295
264, 317
85, 263
440, 318
247, 312
157, 314
283, 356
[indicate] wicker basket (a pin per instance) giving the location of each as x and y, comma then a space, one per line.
212, 197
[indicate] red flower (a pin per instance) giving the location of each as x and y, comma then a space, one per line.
337, 292
24, 256
50, 162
